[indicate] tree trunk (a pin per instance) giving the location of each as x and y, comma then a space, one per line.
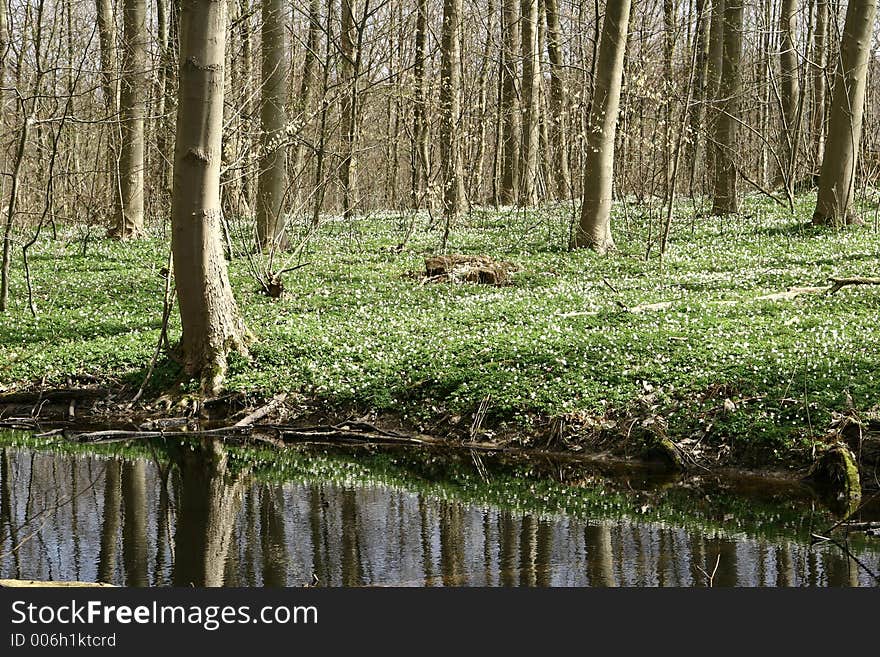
820, 64
790, 89
531, 97
349, 79
273, 154
701, 76
594, 230
510, 107
308, 86
421, 158
450, 111
727, 126
132, 111
713, 80
209, 316
837, 181
558, 100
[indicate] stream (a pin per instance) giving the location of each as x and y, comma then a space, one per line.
199, 514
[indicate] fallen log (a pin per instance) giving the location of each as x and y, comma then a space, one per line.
838, 284
262, 412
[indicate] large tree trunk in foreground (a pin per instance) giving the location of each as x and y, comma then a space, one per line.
132, 111
273, 160
713, 80
450, 111
594, 230
727, 126
837, 181
211, 323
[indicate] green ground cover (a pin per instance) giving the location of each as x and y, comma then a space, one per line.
355, 330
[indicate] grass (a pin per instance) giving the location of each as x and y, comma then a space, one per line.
355, 330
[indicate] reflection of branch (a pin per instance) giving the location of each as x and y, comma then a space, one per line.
47, 513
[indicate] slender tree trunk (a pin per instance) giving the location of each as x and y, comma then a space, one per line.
132, 111
670, 10
421, 156
701, 75
837, 180
820, 66
531, 96
594, 230
476, 186
209, 316
110, 91
349, 78
450, 113
789, 88
273, 154
307, 89
558, 101
725, 199
510, 106
713, 81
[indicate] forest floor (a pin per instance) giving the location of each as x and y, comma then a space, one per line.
578, 352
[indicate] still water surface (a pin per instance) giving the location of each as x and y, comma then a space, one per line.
133, 522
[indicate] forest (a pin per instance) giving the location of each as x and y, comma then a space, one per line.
643, 233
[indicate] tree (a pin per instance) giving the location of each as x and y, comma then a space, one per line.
819, 62
789, 89
531, 99
349, 71
273, 154
510, 109
212, 327
132, 111
725, 199
594, 230
558, 95
450, 112
837, 180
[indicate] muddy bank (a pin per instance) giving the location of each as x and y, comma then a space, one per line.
842, 464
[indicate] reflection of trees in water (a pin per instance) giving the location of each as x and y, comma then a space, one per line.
272, 537
8, 522
352, 568
209, 501
600, 559
110, 522
134, 526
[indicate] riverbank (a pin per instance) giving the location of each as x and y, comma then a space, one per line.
708, 347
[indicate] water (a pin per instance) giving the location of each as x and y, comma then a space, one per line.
193, 519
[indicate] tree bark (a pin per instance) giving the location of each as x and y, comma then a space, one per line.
450, 111
713, 80
594, 230
701, 77
273, 154
837, 180
421, 158
510, 107
558, 100
725, 199
348, 69
789, 88
132, 111
209, 316
531, 97
820, 64
307, 89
